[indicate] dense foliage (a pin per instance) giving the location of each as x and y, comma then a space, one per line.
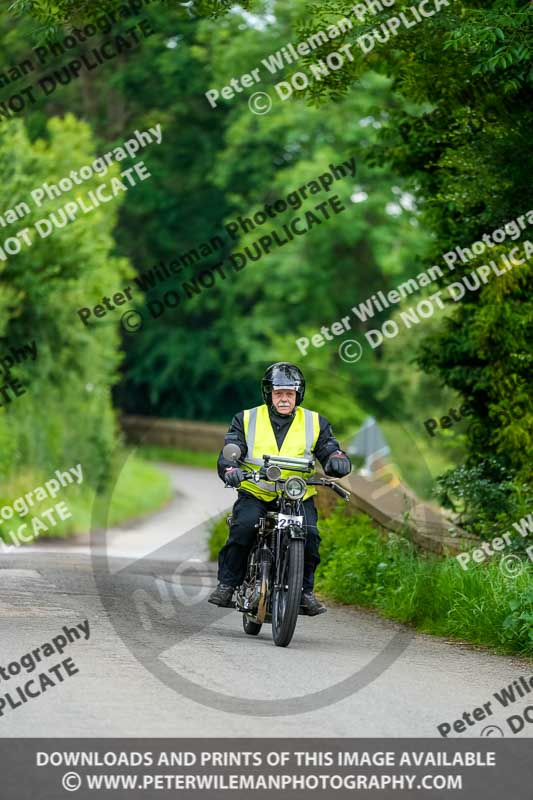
438, 119
65, 415
465, 142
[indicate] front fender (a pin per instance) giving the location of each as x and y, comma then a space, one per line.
295, 532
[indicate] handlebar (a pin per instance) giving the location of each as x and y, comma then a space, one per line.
330, 484
340, 490
344, 493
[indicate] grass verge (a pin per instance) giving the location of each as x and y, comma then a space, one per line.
141, 489
361, 566
175, 456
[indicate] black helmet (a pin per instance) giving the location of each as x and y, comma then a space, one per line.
283, 375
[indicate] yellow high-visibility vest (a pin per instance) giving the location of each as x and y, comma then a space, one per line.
299, 442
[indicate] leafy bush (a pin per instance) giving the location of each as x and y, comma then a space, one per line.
485, 496
41, 288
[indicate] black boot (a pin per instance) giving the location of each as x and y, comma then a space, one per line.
221, 596
311, 605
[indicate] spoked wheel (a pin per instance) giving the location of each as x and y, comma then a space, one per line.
250, 627
286, 599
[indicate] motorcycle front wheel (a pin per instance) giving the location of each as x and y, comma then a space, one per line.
287, 595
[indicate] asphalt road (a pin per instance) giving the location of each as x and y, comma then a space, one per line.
160, 661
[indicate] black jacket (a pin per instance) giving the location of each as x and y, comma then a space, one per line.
325, 445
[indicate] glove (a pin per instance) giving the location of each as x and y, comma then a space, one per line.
234, 477
338, 465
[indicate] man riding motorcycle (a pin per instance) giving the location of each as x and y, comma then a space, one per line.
280, 426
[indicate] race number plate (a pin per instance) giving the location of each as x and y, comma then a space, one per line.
287, 519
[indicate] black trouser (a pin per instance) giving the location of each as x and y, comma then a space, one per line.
233, 557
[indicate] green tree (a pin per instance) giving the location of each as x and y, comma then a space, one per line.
464, 143
245, 162
449, 105
66, 412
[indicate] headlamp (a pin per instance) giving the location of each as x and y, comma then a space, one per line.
295, 488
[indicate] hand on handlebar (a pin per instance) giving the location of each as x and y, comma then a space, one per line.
234, 477
338, 465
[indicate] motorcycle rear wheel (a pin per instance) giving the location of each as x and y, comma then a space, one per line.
286, 599
250, 627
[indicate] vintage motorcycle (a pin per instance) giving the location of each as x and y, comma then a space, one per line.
272, 588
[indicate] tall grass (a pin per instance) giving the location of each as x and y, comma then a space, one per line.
385, 571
